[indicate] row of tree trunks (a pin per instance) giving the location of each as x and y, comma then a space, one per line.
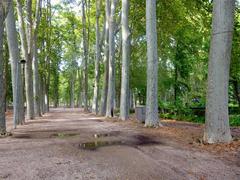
37, 98
37, 87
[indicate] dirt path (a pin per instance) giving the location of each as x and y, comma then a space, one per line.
68, 144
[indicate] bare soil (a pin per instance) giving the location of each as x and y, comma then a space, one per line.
70, 144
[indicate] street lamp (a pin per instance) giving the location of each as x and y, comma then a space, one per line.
17, 101
22, 63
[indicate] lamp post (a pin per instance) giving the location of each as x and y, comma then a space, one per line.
22, 63
17, 99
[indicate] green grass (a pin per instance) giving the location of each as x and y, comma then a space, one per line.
234, 119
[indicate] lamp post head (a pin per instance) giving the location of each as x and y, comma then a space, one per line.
23, 61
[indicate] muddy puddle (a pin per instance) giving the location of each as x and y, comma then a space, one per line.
45, 135
21, 136
108, 134
133, 141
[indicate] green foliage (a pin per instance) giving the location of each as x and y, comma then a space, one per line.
183, 29
235, 120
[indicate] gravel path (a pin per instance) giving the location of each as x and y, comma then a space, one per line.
69, 144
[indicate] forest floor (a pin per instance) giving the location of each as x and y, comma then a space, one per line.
69, 144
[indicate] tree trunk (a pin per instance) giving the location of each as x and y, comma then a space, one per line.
79, 88
18, 107
48, 59
175, 83
106, 61
152, 119
56, 89
72, 91
85, 49
25, 43
217, 128
2, 98
96, 84
36, 87
42, 95
124, 105
111, 78
28, 70
7, 75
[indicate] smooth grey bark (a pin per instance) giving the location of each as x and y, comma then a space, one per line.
72, 87
124, 102
28, 69
26, 44
73, 71
2, 96
132, 103
17, 88
106, 60
36, 84
97, 60
5, 73
79, 101
111, 77
85, 51
152, 119
217, 128
42, 94
118, 67
4, 7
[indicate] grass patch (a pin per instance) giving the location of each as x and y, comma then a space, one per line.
234, 119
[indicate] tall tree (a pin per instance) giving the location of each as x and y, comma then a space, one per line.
96, 83
26, 44
2, 95
36, 82
217, 118
72, 88
17, 84
85, 51
152, 119
111, 78
124, 106
73, 66
48, 55
106, 60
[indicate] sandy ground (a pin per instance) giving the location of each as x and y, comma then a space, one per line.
69, 144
